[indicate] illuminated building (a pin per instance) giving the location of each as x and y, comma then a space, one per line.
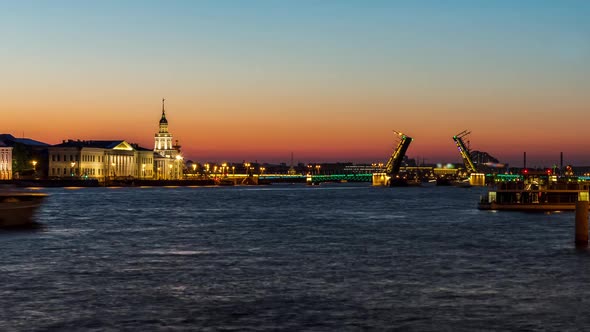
5, 162
100, 160
29, 157
168, 163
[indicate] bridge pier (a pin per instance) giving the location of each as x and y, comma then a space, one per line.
582, 220
380, 179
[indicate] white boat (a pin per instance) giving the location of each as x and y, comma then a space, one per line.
17, 208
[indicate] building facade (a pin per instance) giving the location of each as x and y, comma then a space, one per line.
29, 157
5, 162
168, 162
100, 160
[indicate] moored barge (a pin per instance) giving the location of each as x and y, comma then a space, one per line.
535, 196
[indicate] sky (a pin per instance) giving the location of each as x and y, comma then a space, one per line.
324, 80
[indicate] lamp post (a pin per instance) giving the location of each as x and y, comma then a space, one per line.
170, 167
113, 169
194, 170
72, 164
143, 171
34, 162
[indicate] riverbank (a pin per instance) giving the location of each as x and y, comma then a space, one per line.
111, 183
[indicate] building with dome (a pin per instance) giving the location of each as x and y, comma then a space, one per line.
168, 162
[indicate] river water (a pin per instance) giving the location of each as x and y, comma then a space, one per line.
290, 257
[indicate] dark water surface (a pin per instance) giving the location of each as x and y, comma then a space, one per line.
291, 257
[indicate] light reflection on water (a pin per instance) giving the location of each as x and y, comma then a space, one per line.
335, 257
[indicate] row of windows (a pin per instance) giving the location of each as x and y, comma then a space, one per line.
86, 171
93, 159
57, 157
5, 155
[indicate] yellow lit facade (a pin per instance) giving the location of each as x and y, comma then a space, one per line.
168, 162
5, 162
100, 160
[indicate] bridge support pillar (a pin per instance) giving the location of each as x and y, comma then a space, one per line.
380, 179
582, 222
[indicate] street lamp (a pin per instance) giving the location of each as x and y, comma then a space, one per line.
143, 171
247, 167
194, 170
170, 166
113, 168
73, 163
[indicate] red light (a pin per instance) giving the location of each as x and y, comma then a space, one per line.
548, 172
525, 171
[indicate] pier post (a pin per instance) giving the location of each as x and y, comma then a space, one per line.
582, 221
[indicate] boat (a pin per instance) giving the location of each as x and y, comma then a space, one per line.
18, 208
535, 196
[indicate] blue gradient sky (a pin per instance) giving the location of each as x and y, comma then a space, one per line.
328, 80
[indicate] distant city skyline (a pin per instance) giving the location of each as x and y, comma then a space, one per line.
328, 81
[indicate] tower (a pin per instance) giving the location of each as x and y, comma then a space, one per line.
163, 139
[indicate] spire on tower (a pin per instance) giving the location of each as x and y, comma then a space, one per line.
163, 119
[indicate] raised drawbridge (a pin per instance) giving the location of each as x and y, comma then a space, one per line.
390, 176
475, 178
464, 151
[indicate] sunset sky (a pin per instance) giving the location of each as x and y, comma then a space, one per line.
326, 80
